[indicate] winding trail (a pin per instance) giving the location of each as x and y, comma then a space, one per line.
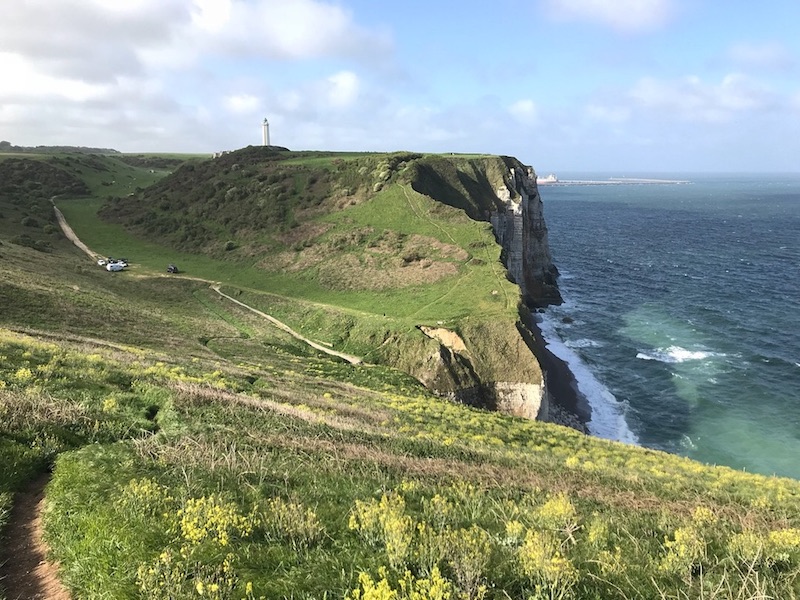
355, 360
25, 572
72, 236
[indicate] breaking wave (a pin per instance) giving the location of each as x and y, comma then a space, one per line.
676, 354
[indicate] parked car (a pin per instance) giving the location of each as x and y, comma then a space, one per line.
102, 262
172, 269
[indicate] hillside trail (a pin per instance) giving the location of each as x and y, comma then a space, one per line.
25, 572
354, 360
72, 236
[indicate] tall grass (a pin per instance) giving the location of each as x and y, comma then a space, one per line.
250, 489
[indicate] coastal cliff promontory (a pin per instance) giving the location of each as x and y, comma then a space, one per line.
503, 191
426, 263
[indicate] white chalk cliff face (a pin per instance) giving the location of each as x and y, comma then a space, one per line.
521, 231
497, 368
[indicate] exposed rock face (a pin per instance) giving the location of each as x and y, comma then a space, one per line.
455, 369
521, 231
526, 400
447, 338
492, 369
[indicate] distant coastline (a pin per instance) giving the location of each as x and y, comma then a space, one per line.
552, 180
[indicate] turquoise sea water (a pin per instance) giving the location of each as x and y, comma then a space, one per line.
682, 313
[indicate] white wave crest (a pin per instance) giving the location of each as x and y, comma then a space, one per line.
583, 343
676, 354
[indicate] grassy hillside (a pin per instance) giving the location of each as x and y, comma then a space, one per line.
349, 239
198, 451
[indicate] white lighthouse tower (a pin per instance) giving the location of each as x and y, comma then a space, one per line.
265, 132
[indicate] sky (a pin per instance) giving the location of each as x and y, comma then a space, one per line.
619, 86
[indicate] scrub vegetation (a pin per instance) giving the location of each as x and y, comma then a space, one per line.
198, 451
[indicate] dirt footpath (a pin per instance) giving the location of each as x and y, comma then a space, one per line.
70, 234
25, 573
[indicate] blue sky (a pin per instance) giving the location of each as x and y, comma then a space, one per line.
620, 86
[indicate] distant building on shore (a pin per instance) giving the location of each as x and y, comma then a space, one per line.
549, 179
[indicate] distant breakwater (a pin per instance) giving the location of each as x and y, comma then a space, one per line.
613, 181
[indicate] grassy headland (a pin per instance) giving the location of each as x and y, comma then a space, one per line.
197, 451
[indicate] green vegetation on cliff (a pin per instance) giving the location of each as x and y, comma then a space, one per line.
349, 239
199, 451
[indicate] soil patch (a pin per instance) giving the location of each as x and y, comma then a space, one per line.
25, 571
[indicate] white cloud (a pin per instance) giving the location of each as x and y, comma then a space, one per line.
160, 70
608, 114
21, 80
342, 89
91, 40
525, 111
766, 55
692, 99
211, 15
241, 103
631, 16
277, 29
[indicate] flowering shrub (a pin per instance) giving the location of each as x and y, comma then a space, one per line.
468, 554
597, 532
747, 548
558, 514
430, 547
385, 521
542, 562
438, 510
434, 587
292, 521
212, 519
702, 517
784, 546
144, 496
23, 376
170, 577
110, 404
685, 552
515, 532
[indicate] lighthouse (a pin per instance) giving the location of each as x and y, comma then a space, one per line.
265, 132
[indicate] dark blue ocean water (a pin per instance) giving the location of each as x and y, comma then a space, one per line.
683, 313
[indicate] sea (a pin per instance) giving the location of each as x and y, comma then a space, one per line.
681, 313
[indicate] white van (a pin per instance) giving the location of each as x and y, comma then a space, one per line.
114, 267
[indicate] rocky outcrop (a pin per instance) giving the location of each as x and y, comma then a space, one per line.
490, 371
490, 367
526, 400
522, 233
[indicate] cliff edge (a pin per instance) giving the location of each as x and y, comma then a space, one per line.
393, 257
503, 191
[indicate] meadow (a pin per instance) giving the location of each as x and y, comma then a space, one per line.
196, 451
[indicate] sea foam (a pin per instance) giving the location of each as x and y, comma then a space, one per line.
608, 414
583, 343
676, 354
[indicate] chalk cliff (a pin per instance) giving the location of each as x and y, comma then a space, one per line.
497, 370
260, 206
521, 231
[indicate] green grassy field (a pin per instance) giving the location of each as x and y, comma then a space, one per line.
197, 451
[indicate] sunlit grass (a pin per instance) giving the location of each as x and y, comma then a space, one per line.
219, 486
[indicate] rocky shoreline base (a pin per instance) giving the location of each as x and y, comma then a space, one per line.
566, 404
